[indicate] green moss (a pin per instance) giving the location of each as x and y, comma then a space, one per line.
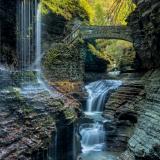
48, 121
70, 114
15, 92
27, 110
56, 104
19, 77
69, 9
60, 54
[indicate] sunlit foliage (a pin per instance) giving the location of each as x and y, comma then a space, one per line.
120, 10
99, 12
69, 8
89, 10
111, 11
96, 12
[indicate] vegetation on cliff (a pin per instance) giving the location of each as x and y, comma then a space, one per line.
99, 12
69, 9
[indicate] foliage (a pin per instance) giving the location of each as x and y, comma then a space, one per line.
111, 11
15, 92
70, 114
18, 77
119, 53
67, 8
59, 54
88, 9
98, 12
100, 53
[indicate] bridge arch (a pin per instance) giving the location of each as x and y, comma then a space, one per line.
106, 32
100, 32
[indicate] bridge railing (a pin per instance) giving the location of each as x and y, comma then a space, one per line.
73, 35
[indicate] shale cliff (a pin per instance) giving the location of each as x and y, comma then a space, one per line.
136, 104
135, 113
29, 122
144, 22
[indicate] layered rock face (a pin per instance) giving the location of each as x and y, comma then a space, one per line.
29, 122
8, 32
145, 142
63, 63
64, 69
144, 22
123, 115
135, 113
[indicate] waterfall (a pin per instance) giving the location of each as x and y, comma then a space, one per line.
29, 46
93, 137
93, 134
26, 11
97, 92
29, 34
38, 39
37, 62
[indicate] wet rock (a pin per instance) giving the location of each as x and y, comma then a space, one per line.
27, 123
135, 111
144, 22
146, 135
122, 111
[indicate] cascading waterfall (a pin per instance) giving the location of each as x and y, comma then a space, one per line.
29, 46
97, 92
93, 137
93, 134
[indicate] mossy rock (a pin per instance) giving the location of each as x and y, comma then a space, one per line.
24, 76
63, 62
59, 54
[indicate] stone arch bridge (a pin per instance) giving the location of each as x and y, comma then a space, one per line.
99, 32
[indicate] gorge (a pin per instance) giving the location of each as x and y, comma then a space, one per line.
64, 99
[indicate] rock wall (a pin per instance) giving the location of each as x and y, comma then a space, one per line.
29, 122
63, 63
136, 104
135, 113
8, 32
145, 142
123, 115
64, 69
144, 22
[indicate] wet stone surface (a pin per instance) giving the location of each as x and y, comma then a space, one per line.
28, 123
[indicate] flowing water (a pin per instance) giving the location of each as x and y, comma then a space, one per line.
26, 12
29, 46
93, 134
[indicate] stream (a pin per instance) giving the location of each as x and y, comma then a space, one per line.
93, 134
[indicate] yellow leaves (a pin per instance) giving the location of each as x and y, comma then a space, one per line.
89, 10
120, 10
98, 12
108, 12
62, 7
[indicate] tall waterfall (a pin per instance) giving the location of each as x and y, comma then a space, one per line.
26, 12
29, 34
93, 134
29, 45
38, 38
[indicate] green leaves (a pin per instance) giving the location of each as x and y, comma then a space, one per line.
67, 8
